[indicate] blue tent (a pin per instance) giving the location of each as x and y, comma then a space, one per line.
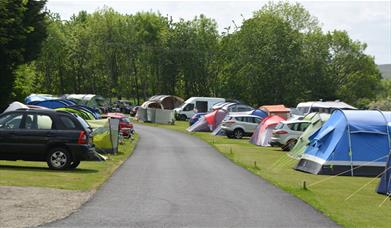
38, 97
384, 186
351, 142
53, 104
259, 113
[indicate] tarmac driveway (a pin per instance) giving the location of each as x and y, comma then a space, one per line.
177, 180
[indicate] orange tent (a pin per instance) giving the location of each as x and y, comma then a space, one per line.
273, 110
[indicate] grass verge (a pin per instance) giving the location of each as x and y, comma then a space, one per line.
328, 194
87, 176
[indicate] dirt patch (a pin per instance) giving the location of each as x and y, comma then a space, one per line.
30, 206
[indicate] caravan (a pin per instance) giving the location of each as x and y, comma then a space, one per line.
305, 108
196, 104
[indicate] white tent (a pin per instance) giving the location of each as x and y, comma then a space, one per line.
15, 105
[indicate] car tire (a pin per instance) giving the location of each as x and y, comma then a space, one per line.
182, 117
74, 164
238, 133
289, 145
59, 159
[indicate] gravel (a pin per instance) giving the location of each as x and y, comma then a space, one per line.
32, 206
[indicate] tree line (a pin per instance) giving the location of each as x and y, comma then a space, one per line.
279, 55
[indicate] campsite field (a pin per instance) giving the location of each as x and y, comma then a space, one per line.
88, 176
350, 201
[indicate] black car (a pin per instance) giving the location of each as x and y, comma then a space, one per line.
60, 138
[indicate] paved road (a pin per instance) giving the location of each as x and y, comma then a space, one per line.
176, 180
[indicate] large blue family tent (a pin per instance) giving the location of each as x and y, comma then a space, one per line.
351, 142
53, 104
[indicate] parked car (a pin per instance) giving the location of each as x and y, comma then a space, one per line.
237, 126
134, 110
233, 107
286, 133
196, 117
60, 138
196, 104
123, 106
125, 125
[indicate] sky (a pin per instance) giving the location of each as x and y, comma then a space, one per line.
366, 21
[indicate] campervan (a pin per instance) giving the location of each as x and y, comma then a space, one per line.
322, 106
196, 104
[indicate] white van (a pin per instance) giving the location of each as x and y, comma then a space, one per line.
196, 104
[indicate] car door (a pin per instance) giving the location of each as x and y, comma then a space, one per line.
35, 135
254, 123
9, 142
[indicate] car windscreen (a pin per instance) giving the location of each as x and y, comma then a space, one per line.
279, 126
126, 120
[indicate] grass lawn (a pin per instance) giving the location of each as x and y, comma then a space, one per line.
329, 195
87, 176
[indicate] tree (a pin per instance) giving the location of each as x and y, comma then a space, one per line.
22, 30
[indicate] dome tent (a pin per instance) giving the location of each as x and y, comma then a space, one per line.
14, 106
264, 130
351, 142
209, 122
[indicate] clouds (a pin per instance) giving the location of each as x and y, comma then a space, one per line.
368, 21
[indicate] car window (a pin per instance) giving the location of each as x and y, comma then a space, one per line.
188, 107
44, 122
244, 109
250, 119
83, 122
303, 126
239, 118
68, 122
257, 120
296, 127
290, 126
11, 121
232, 108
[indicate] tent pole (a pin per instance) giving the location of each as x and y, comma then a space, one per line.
389, 147
350, 144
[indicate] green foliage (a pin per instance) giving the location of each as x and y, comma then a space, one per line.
22, 29
88, 175
280, 55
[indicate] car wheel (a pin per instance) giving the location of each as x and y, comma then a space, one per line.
182, 117
289, 145
58, 158
238, 133
74, 164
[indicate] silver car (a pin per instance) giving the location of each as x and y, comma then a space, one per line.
237, 126
286, 133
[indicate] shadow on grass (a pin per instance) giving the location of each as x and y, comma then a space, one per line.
45, 169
